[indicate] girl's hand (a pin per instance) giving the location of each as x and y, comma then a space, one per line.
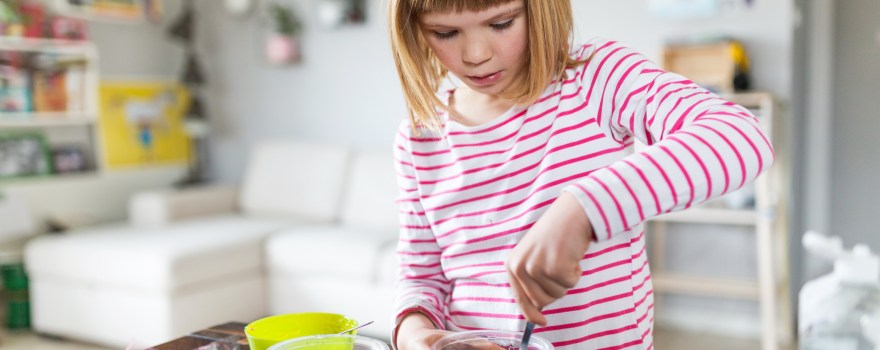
545, 264
417, 332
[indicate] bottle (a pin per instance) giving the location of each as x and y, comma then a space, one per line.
840, 310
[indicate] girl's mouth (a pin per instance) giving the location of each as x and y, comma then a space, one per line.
485, 79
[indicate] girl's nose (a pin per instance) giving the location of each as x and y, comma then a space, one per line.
476, 51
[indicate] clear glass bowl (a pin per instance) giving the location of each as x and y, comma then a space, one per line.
331, 342
483, 340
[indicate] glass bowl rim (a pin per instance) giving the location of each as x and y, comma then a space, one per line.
497, 333
358, 339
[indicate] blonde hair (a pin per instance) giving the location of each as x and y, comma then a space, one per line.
421, 73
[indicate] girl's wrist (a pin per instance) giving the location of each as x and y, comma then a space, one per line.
410, 325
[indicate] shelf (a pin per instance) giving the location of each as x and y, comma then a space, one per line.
749, 99
75, 123
711, 216
45, 119
706, 286
54, 178
8, 43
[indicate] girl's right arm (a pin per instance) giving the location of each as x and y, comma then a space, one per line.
422, 285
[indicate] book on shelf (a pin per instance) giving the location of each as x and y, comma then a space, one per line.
41, 82
50, 92
15, 92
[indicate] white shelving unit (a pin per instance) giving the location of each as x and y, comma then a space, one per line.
77, 127
769, 222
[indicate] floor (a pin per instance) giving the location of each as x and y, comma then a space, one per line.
664, 339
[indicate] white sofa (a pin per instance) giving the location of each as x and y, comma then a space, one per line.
313, 227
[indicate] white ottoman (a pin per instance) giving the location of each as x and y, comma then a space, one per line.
123, 285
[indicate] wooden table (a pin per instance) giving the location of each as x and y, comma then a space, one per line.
227, 336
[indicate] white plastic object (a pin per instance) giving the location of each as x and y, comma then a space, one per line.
840, 310
828, 248
859, 265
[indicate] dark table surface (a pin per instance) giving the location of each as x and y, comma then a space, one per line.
227, 336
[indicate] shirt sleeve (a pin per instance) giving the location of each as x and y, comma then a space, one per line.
422, 286
700, 146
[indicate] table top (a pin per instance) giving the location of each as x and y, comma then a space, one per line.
227, 336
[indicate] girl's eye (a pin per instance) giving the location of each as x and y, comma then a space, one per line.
445, 35
502, 25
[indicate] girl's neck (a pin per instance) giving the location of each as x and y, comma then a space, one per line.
471, 108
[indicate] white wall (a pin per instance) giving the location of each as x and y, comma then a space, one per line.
138, 50
345, 89
855, 120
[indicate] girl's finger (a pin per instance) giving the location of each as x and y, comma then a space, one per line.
536, 293
529, 310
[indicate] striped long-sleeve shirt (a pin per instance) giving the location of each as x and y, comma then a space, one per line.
468, 194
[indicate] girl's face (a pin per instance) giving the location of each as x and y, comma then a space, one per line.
487, 50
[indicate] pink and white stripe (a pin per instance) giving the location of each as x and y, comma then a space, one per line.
469, 194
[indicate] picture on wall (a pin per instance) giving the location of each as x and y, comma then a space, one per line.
142, 123
24, 154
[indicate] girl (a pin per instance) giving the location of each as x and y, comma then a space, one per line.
521, 197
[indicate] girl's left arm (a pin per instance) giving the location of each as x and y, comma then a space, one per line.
700, 146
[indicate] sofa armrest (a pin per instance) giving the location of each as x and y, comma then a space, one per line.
155, 208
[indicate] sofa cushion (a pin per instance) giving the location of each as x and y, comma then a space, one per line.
355, 254
163, 259
294, 178
370, 192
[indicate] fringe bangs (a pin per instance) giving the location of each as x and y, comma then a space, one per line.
425, 6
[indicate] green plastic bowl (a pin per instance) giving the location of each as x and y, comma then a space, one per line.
331, 342
265, 332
